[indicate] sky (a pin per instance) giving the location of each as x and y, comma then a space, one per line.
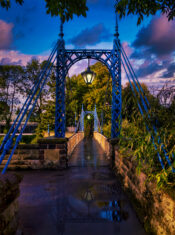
27, 32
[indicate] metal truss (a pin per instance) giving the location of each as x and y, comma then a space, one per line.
66, 59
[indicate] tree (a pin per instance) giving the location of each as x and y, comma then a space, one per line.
33, 69
145, 8
12, 86
64, 8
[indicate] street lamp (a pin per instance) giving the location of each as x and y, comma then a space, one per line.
88, 75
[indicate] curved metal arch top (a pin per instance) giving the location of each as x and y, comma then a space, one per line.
73, 56
89, 112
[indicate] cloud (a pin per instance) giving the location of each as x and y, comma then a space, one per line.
157, 38
127, 48
170, 71
153, 51
148, 68
91, 36
5, 35
16, 58
78, 67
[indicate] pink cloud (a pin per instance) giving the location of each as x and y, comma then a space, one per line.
162, 29
128, 50
157, 37
5, 34
15, 57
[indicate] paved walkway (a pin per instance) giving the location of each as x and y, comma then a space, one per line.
86, 199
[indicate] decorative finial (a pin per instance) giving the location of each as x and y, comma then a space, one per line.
61, 29
116, 27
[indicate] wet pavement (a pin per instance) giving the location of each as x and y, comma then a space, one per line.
85, 199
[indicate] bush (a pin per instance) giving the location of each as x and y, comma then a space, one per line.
27, 139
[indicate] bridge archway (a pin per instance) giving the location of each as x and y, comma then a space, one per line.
66, 58
82, 117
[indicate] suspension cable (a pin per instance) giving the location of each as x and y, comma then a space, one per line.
154, 128
12, 127
10, 140
18, 139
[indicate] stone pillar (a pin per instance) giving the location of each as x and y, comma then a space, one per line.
9, 193
53, 152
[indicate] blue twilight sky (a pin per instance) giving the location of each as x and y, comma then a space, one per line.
27, 31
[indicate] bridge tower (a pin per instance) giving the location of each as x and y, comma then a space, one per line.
60, 86
66, 58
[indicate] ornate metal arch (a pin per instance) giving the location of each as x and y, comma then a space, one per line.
65, 59
73, 56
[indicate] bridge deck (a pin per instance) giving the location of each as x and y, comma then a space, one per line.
86, 199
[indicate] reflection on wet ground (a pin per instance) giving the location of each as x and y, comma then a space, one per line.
85, 199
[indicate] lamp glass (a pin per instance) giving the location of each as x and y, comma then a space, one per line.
88, 76
88, 116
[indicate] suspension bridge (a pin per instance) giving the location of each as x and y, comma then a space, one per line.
82, 199
64, 59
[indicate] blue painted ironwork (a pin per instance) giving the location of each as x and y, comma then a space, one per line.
60, 118
110, 58
141, 111
18, 139
65, 59
37, 88
146, 105
68, 57
96, 120
145, 113
23, 109
82, 119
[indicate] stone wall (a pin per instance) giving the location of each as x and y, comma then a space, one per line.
73, 141
155, 208
26, 156
9, 192
49, 153
103, 141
